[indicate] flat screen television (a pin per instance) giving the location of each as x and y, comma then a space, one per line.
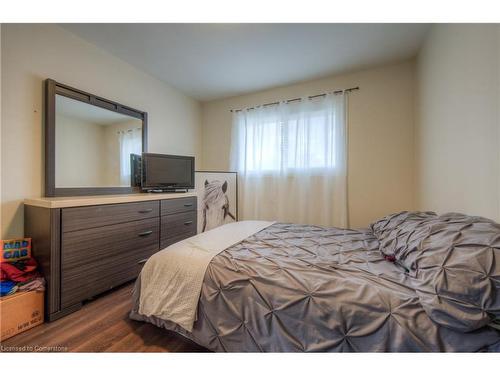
167, 172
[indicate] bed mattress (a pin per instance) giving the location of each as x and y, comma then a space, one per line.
301, 288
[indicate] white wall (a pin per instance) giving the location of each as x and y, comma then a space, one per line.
381, 129
457, 132
32, 53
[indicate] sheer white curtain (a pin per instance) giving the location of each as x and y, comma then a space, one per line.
292, 161
130, 143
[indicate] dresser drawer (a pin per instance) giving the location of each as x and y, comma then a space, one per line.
79, 218
166, 242
177, 227
95, 260
176, 205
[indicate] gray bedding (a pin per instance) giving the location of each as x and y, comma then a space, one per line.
298, 288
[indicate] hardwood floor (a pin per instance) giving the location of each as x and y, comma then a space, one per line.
101, 325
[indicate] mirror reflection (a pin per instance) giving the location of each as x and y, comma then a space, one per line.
93, 145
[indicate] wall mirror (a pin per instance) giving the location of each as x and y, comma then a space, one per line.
89, 143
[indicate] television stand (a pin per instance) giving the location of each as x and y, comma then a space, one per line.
166, 190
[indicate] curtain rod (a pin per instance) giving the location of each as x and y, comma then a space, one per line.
298, 99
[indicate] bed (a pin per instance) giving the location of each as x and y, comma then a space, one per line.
410, 282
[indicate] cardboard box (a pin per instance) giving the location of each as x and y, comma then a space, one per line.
20, 312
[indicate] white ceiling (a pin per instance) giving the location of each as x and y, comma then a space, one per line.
211, 61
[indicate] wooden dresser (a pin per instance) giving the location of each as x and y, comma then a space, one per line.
88, 245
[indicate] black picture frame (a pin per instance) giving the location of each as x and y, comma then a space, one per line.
53, 88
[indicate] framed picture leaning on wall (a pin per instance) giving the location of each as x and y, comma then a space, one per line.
217, 198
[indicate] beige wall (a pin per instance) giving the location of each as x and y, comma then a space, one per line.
1, 131
381, 127
32, 53
84, 165
457, 132
448, 161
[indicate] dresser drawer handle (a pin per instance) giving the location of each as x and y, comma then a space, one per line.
188, 204
146, 233
142, 261
188, 222
146, 211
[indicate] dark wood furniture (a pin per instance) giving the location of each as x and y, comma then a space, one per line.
86, 247
53, 88
178, 218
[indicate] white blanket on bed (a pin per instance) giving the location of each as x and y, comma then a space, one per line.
171, 279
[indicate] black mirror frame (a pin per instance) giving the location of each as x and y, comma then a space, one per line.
53, 88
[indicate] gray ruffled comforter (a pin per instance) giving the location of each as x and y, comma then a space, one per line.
298, 288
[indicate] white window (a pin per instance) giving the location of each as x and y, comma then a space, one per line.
130, 143
291, 161
289, 138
